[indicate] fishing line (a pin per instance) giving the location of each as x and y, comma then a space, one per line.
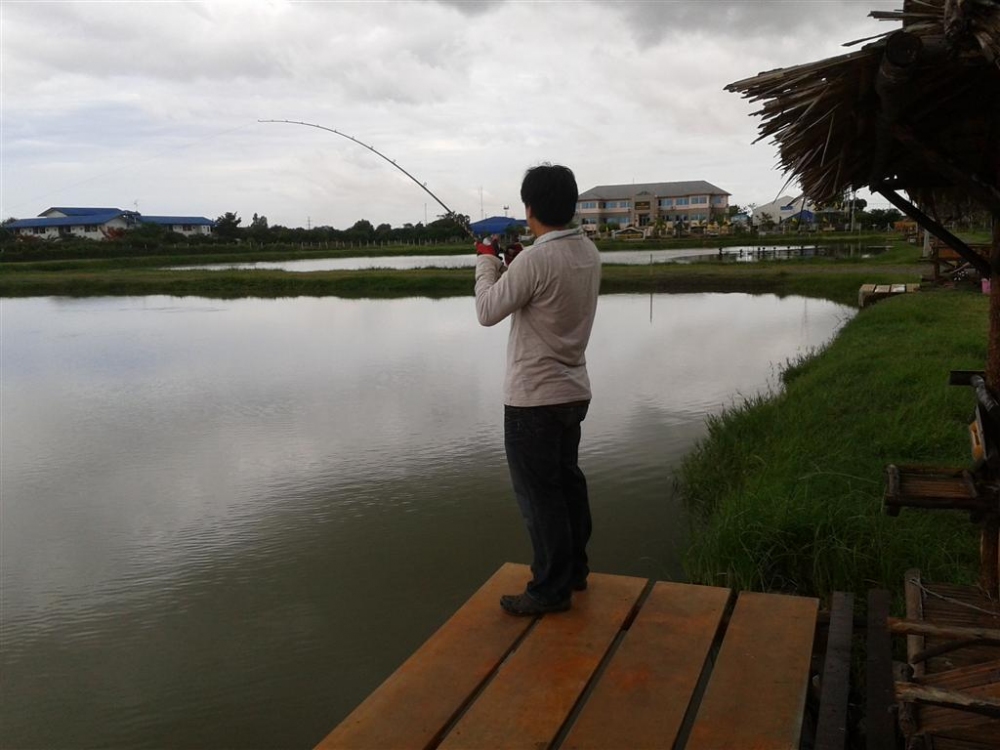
423, 185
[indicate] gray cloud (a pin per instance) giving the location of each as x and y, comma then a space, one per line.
652, 21
160, 101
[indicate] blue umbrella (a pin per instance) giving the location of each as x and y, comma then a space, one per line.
496, 225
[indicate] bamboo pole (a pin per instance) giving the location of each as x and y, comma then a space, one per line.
910, 627
915, 612
984, 705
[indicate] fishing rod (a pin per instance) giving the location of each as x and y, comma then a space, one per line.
423, 185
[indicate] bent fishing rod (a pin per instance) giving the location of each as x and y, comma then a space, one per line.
423, 185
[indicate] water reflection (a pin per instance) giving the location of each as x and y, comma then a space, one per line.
225, 522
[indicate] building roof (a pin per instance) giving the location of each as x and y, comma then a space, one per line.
79, 211
658, 189
82, 217
173, 220
66, 221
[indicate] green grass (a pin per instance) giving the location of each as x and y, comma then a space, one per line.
785, 493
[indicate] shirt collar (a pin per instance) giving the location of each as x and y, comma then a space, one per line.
558, 234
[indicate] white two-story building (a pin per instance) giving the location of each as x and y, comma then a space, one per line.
693, 203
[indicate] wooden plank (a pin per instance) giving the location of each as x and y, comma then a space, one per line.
757, 692
414, 705
880, 702
535, 690
642, 696
831, 726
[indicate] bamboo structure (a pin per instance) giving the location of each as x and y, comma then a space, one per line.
915, 109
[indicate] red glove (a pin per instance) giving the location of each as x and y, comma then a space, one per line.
482, 249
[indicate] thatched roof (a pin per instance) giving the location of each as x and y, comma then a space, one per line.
860, 119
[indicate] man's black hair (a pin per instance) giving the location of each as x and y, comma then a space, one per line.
550, 190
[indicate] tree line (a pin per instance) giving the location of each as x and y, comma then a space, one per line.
229, 228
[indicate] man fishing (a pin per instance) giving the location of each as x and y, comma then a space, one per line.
550, 292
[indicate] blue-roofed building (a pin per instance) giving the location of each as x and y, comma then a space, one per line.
181, 224
57, 212
101, 223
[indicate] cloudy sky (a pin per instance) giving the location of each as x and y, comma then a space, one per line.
155, 104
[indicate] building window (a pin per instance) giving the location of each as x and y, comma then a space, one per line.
666, 202
681, 202
588, 204
718, 200
699, 200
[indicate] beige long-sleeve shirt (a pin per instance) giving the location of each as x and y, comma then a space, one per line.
550, 291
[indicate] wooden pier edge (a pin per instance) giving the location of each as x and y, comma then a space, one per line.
634, 663
425, 694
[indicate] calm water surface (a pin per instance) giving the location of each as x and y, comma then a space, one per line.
225, 522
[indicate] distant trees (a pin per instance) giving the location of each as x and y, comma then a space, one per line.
227, 226
878, 218
258, 229
447, 228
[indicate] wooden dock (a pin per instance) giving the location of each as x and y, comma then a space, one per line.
869, 294
634, 664
951, 697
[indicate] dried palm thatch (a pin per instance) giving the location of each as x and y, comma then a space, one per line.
852, 121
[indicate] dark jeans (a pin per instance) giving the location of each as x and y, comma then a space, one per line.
542, 444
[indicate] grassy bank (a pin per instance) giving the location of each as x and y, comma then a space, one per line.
815, 277
786, 490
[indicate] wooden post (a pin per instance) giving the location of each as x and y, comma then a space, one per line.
989, 543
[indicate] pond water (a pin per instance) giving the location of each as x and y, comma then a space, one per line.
226, 522
741, 254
